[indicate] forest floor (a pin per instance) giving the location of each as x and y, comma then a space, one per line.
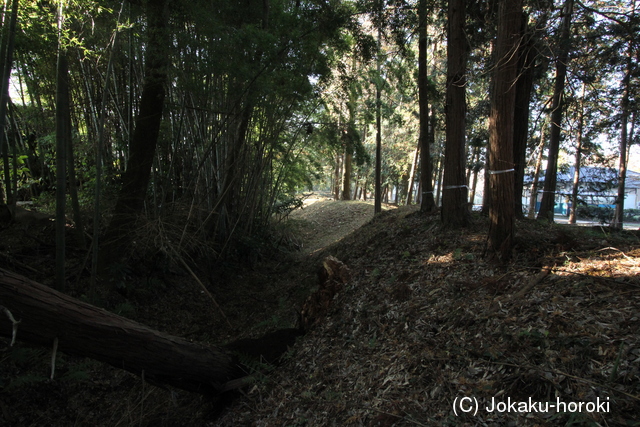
424, 321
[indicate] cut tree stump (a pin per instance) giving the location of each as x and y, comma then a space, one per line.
85, 330
332, 276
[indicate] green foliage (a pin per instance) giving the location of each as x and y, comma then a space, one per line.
287, 205
601, 213
632, 215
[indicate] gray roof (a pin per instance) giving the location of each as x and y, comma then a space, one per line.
592, 175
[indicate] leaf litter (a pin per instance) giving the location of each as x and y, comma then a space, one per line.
426, 320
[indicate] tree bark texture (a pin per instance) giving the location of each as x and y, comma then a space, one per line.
412, 176
524, 88
377, 203
346, 180
86, 330
455, 211
557, 108
618, 215
135, 180
576, 172
7, 53
350, 139
501, 127
63, 133
427, 203
336, 176
533, 199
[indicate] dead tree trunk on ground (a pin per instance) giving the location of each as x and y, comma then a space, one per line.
85, 330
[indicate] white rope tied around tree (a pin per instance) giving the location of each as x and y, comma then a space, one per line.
452, 187
498, 172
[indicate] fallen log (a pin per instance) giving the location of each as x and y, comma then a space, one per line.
47, 316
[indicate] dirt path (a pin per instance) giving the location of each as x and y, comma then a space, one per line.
323, 222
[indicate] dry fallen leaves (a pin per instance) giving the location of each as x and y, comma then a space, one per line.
425, 320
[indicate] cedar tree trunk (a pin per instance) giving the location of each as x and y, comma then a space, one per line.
85, 330
501, 125
622, 171
524, 87
63, 134
576, 172
346, 177
427, 203
454, 190
551, 176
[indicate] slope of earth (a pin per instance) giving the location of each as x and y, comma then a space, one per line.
322, 222
423, 321
258, 292
426, 321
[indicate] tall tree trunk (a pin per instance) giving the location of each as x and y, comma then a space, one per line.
455, 211
412, 176
336, 177
472, 157
7, 56
356, 182
474, 186
524, 88
350, 138
427, 203
501, 127
377, 206
533, 200
135, 180
618, 216
576, 172
557, 109
438, 179
63, 134
486, 190
473, 170
346, 176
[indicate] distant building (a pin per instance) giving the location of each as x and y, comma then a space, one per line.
598, 187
